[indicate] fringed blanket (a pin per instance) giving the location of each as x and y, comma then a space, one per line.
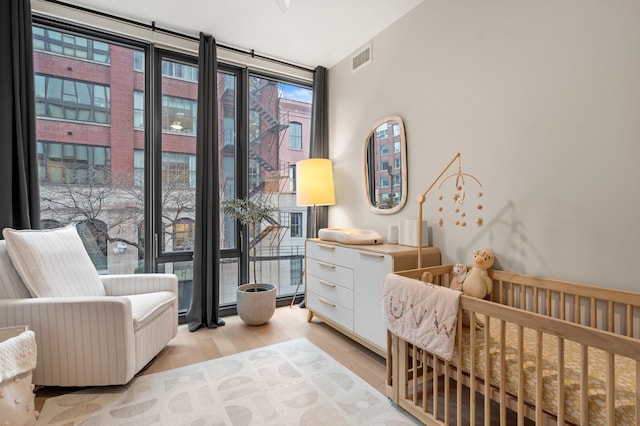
422, 314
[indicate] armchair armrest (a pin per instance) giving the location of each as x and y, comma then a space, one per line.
80, 341
128, 284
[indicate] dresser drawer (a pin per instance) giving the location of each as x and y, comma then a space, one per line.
331, 254
331, 291
330, 309
331, 272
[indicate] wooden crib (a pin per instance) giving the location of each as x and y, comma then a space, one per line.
544, 351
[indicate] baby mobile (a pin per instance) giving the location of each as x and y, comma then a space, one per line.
459, 208
459, 197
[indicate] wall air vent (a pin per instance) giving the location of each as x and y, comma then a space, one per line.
361, 58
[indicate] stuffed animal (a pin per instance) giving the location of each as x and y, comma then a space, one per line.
477, 282
458, 273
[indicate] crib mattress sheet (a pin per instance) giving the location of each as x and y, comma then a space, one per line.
624, 381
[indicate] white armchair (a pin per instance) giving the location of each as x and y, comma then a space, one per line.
91, 340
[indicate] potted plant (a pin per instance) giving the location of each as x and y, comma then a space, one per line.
256, 302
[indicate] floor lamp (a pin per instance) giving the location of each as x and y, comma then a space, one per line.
314, 187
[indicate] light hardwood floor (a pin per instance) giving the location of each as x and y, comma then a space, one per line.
287, 323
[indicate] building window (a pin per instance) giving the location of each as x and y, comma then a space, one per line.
397, 180
384, 166
178, 170
62, 43
254, 126
179, 115
382, 131
178, 70
295, 135
292, 177
295, 219
62, 163
72, 100
183, 234
138, 60
396, 146
384, 149
396, 163
138, 167
384, 182
396, 129
138, 109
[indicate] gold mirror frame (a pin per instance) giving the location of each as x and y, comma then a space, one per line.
384, 199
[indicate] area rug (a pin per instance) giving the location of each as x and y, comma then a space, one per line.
290, 383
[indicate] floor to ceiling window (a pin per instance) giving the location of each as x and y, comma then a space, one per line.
117, 157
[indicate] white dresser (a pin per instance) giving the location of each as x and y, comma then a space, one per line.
344, 285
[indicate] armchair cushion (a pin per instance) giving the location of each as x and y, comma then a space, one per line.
146, 307
53, 262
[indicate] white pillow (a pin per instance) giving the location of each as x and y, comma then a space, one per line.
53, 262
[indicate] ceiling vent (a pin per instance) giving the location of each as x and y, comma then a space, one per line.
361, 58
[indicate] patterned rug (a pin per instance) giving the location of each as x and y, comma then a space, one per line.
290, 383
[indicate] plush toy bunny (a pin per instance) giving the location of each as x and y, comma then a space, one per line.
477, 282
458, 273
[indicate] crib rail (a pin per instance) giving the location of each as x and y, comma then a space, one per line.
474, 388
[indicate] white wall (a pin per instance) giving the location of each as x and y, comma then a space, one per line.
543, 101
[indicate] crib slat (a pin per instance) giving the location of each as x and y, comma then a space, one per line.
594, 317
472, 383
435, 386
520, 375
548, 296
459, 370
503, 373
414, 368
611, 388
612, 325
487, 372
637, 393
447, 389
584, 385
535, 300
539, 358
560, 367
629, 323
563, 307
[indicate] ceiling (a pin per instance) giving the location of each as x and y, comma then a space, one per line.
308, 32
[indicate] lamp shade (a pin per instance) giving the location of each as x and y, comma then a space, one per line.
314, 182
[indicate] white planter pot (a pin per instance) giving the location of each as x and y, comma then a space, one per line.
256, 302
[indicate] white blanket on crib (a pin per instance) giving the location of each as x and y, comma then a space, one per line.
422, 314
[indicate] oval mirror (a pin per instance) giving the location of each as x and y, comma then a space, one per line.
385, 166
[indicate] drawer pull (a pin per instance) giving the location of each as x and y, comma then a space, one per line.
326, 247
327, 283
327, 265
326, 302
376, 255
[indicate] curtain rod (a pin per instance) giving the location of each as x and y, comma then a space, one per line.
154, 28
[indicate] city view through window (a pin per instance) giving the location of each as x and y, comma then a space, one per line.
91, 130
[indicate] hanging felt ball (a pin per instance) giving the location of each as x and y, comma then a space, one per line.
457, 222
439, 197
440, 208
480, 222
463, 223
440, 222
463, 214
479, 194
479, 206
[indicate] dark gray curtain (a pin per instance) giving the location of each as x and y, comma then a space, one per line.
19, 193
205, 302
319, 135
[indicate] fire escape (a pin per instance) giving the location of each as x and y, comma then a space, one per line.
264, 149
